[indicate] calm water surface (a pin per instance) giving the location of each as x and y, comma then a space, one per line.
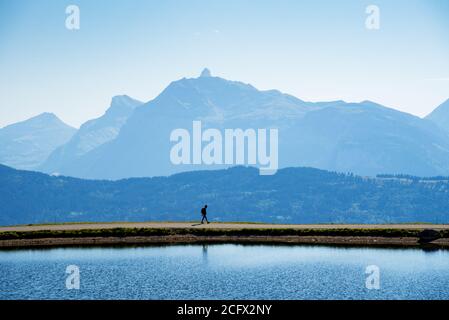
224, 272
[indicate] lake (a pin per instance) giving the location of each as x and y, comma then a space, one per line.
225, 272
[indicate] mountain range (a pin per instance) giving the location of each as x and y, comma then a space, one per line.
132, 138
292, 195
90, 136
27, 144
441, 116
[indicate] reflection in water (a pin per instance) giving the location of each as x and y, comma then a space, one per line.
205, 253
225, 271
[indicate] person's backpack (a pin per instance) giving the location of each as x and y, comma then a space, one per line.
203, 211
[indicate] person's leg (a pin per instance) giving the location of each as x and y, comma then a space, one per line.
202, 220
206, 219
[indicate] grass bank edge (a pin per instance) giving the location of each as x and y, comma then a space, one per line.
148, 232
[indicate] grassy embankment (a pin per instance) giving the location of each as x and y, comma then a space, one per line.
148, 232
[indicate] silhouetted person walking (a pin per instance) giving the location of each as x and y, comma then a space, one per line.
204, 214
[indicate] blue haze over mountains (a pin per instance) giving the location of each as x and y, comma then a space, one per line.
441, 116
26, 144
90, 136
132, 138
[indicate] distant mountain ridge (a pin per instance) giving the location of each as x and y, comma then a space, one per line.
292, 195
91, 135
441, 116
132, 138
365, 138
142, 147
26, 144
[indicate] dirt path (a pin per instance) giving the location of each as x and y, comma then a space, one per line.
157, 225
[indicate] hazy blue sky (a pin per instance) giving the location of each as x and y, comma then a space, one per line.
315, 50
